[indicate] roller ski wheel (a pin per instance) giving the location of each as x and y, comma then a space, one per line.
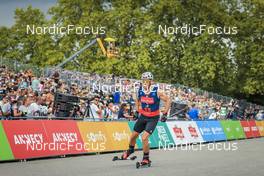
116, 158
142, 164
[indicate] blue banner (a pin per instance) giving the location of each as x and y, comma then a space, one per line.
205, 131
217, 130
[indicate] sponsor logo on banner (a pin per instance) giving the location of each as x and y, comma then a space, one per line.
247, 129
27, 139
96, 137
22, 139
178, 132
163, 136
193, 131
120, 136
217, 130
205, 130
254, 129
65, 136
184, 132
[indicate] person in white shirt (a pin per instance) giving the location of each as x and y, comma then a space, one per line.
95, 111
260, 115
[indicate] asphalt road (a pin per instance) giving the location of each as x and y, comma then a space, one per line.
245, 157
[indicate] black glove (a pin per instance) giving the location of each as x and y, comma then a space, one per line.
164, 117
136, 114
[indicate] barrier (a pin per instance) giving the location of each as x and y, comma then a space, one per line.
254, 128
228, 129
162, 135
247, 129
27, 138
184, 132
64, 134
119, 134
5, 150
95, 136
23, 139
206, 131
237, 130
260, 125
218, 131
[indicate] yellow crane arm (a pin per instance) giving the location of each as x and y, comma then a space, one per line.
99, 41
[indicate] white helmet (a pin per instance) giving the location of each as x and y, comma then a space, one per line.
147, 75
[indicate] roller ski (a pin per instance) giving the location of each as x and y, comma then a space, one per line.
144, 163
125, 156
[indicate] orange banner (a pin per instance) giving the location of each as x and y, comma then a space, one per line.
119, 134
260, 125
95, 136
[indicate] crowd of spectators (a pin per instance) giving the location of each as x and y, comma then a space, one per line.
23, 95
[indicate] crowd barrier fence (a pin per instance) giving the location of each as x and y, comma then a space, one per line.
27, 139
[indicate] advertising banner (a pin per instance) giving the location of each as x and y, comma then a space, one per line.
254, 128
27, 138
119, 134
228, 129
217, 130
238, 130
260, 126
162, 135
205, 131
64, 137
246, 128
152, 141
262, 123
5, 150
184, 132
95, 136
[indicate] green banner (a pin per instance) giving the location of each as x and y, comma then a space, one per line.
152, 142
162, 135
238, 130
228, 129
5, 150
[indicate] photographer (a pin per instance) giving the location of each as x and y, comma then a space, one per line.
95, 111
124, 112
5, 107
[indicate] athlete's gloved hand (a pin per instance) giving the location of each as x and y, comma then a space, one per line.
164, 117
136, 115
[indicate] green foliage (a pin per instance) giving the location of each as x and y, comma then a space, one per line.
227, 64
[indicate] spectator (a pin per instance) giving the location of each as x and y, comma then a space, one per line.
35, 84
5, 107
24, 107
260, 115
95, 111
193, 113
123, 112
